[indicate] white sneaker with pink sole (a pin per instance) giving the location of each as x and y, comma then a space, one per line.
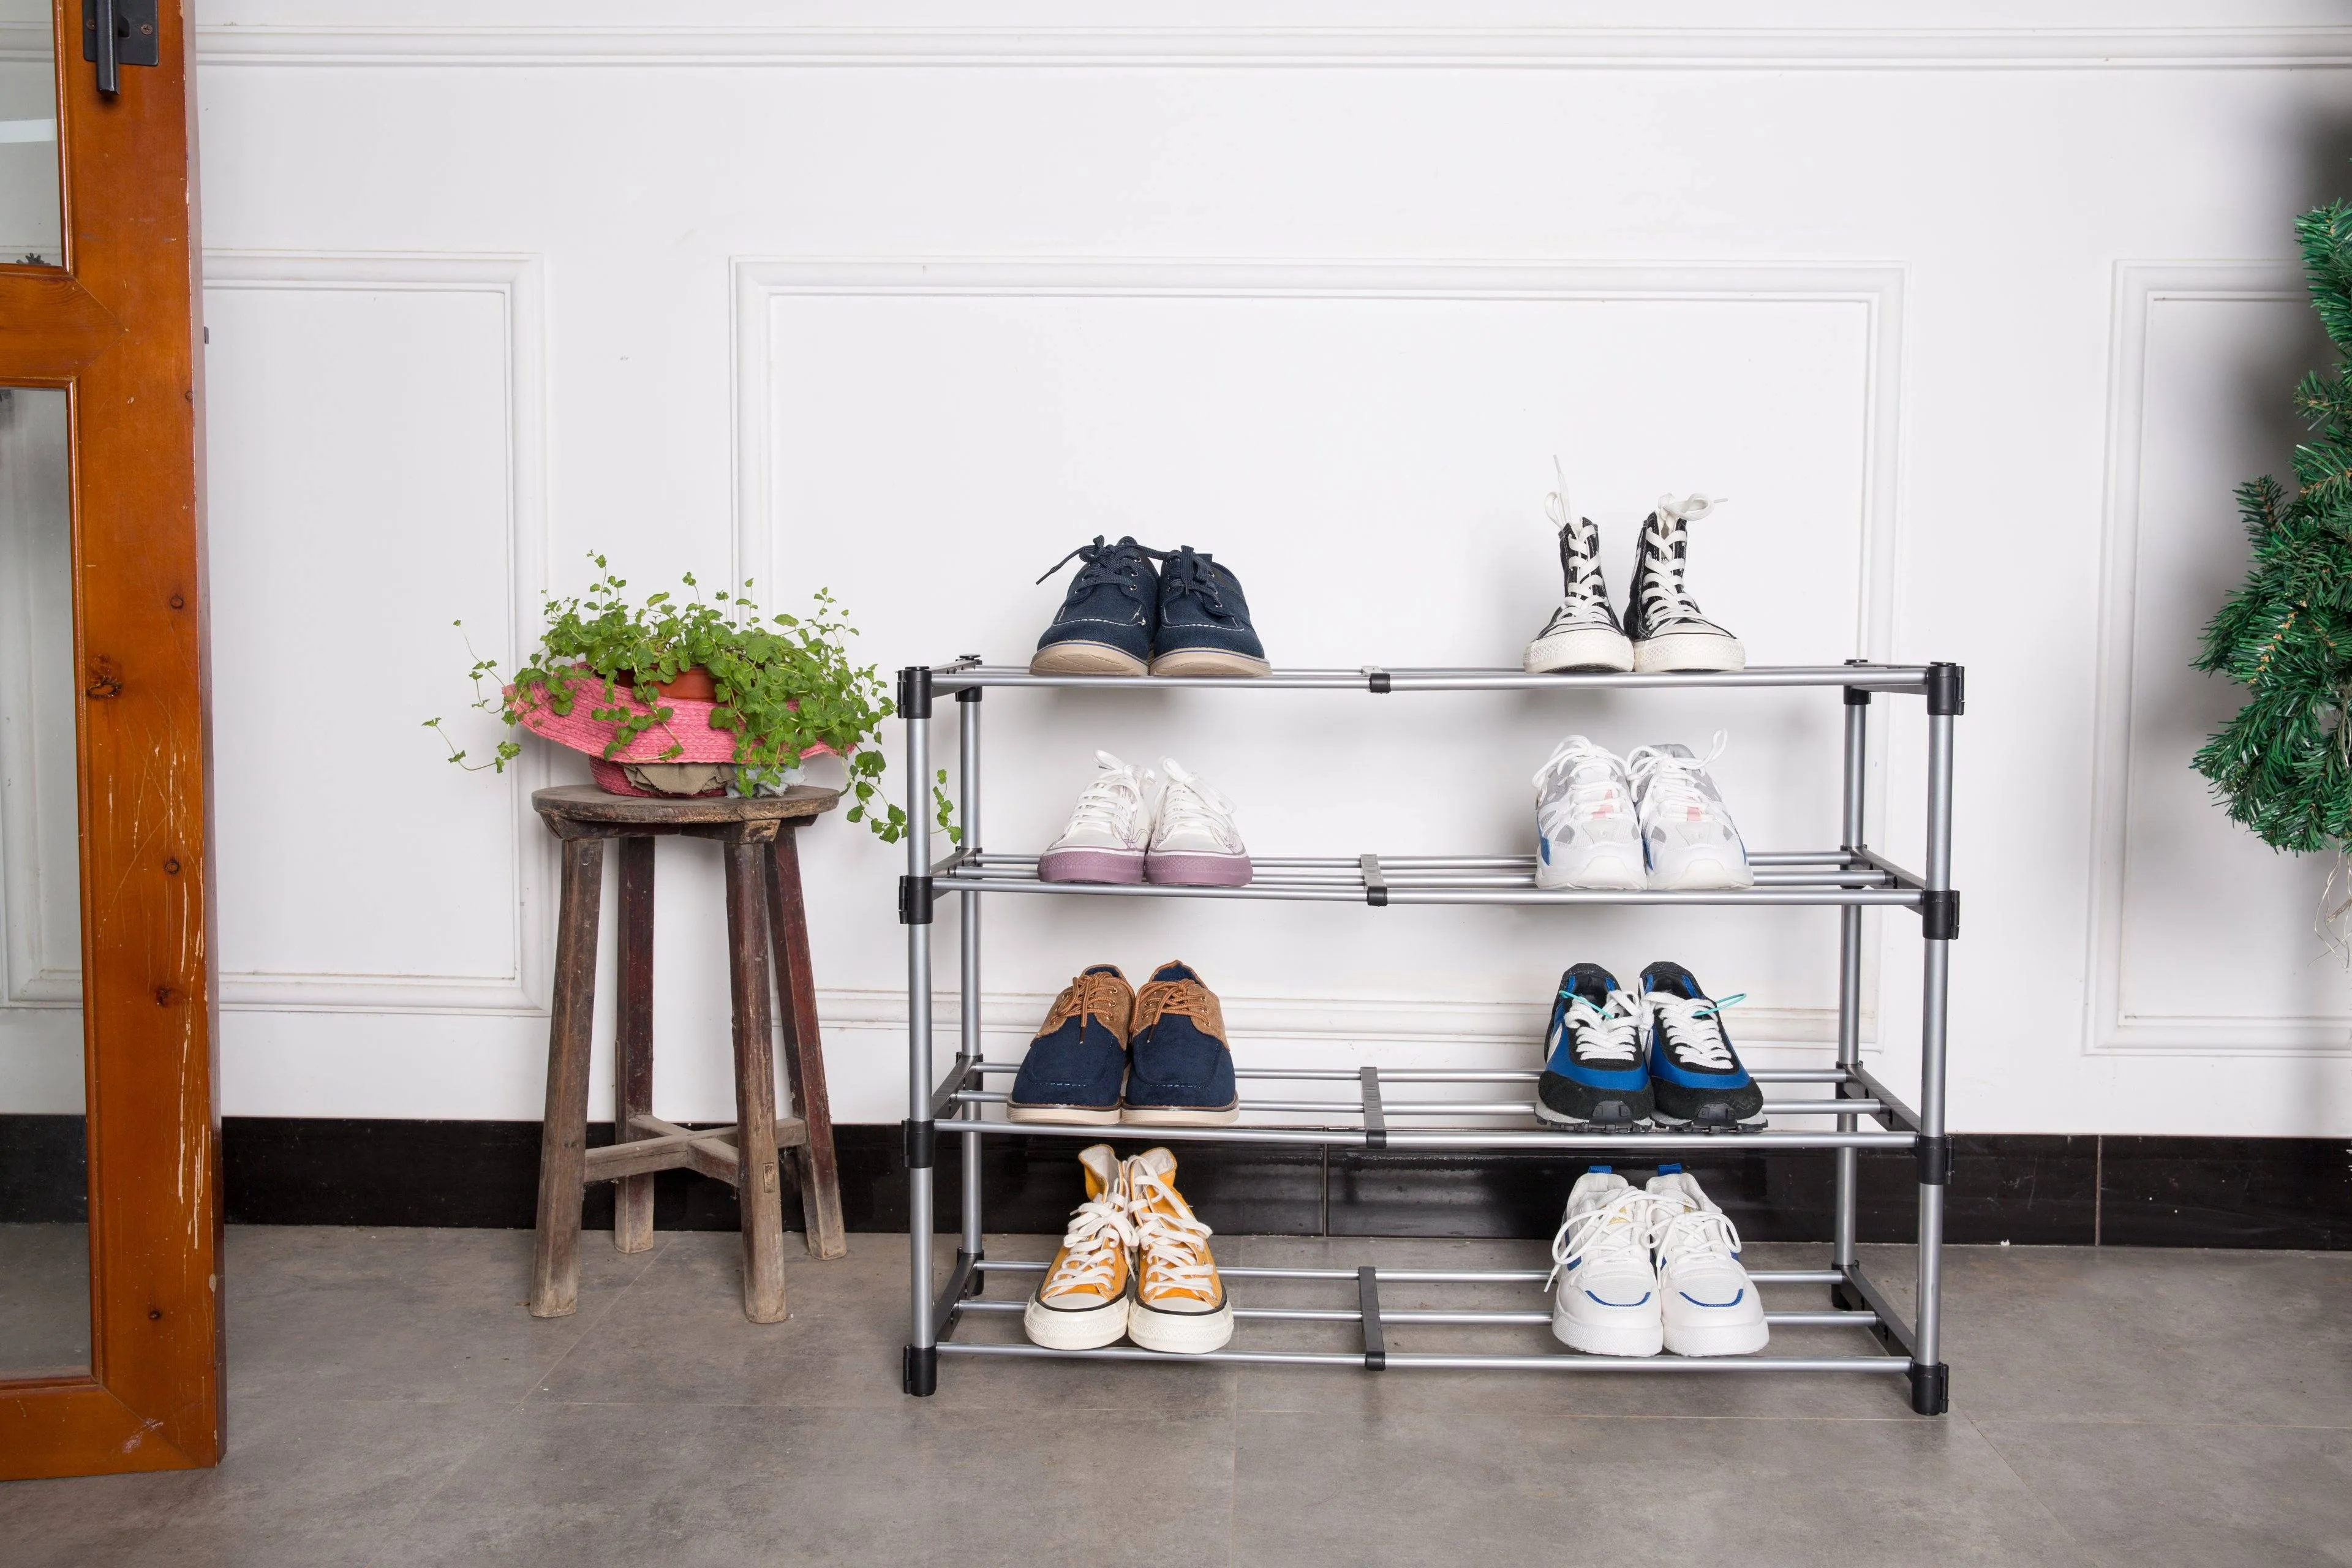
1194, 842
1109, 830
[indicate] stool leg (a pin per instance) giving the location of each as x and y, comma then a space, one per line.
805, 1049
757, 1188
632, 1042
563, 1132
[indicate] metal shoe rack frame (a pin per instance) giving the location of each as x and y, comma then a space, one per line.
1849, 876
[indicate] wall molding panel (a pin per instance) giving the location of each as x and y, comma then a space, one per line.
1711, 49
517, 283
2139, 287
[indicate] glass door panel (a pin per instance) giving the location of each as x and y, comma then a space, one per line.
45, 1316
31, 225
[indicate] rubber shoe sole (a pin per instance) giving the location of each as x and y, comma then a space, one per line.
1180, 1333
1562, 1119
1626, 1339
1179, 1115
1691, 651
1208, 661
1702, 873
1197, 870
1090, 865
1063, 1115
1584, 648
1615, 868
1089, 1329
1718, 1339
1084, 658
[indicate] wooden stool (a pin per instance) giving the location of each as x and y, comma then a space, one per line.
759, 839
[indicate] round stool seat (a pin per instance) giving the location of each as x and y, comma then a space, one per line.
586, 803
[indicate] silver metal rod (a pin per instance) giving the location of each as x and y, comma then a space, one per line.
1873, 677
1934, 1001
1855, 823
968, 997
1457, 1107
918, 1033
1464, 1075
1896, 898
1571, 1145
1407, 1361
1427, 1276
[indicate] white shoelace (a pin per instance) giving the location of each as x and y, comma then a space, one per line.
1587, 597
1687, 1234
1101, 1231
1693, 1030
1674, 788
1174, 1243
1111, 801
1594, 777
1190, 806
1622, 1230
1612, 1032
1664, 595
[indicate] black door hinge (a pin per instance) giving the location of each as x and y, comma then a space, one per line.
120, 33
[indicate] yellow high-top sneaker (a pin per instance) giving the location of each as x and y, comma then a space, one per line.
1179, 1302
1082, 1302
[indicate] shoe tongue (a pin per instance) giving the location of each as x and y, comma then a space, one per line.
1174, 970
1102, 969
1590, 982
1157, 1162
1112, 765
1674, 748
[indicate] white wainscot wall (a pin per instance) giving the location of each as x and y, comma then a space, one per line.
1977, 321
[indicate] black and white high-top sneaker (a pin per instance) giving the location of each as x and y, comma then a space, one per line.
1660, 617
1583, 633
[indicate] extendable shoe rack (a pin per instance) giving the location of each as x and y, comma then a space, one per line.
1371, 1108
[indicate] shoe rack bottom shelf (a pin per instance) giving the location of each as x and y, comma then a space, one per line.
1374, 1320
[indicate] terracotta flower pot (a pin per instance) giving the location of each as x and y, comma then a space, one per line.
693, 685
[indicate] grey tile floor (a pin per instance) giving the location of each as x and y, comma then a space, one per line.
390, 1401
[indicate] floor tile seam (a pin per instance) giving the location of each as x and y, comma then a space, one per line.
2160, 1423
585, 1325
2049, 1512
1790, 1418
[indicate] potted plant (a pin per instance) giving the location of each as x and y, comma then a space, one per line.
671, 681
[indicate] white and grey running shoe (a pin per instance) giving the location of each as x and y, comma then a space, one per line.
1607, 1301
1660, 617
1686, 834
1588, 828
1583, 633
1710, 1304
1108, 832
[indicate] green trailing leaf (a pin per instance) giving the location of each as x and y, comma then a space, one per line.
783, 686
2283, 765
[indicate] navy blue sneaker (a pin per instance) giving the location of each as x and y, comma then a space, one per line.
1593, 1075
1694, 1075
1106, 619
1204, 625
1182, 1072
1077, 1064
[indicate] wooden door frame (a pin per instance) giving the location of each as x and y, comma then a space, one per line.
118, 328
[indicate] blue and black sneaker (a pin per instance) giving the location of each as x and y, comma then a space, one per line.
1181, 1070
1077, 1063
1204, 623
1694, 1075
1106, 619
1593, 1075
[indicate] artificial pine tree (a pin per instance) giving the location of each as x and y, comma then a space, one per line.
2284, 765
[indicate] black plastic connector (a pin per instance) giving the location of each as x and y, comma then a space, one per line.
968, 694
975, 1279
1931, 1388
1846, 1299
1368, 1303
1946, 690
919, 1371
915, 691
916, 896
1855, 697
1379, 679
1934, 1152
921, 1140
1940, 914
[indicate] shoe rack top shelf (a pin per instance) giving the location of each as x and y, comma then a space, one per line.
1911, 680
1784, 877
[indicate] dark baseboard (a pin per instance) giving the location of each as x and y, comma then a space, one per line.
2031, 1190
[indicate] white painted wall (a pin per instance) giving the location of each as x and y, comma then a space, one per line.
1977, 318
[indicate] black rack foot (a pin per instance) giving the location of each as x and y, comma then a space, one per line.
1846, 1299
1931, 1388
919, 1374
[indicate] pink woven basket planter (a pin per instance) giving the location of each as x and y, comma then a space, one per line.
686, 736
